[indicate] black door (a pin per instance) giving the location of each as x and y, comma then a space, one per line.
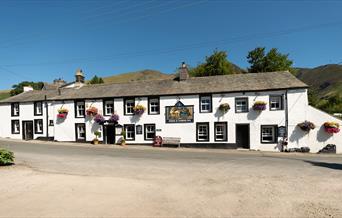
242, 135
109, 134
27, 130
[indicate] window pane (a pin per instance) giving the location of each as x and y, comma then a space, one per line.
276, 102
205, 103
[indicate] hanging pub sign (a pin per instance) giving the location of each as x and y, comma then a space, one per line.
179, 113
281, 131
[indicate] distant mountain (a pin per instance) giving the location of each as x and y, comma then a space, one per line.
325, 80
4, 94
137, 76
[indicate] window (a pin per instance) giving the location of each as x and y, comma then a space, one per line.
38, 108
38, 126
15, 109
150, 131
129, 106
202, 132
15, 126
108, 107
80, 132
205, 104
221, 131
269, 134
241, 105
153, 106
276, 102
79, 109
51, 123
130, 133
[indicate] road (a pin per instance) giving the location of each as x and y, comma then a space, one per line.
52, 179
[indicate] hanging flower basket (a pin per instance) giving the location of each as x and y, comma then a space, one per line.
92, 111
62, 113
113, 118
306, 126
259, 106
139, 110
224, 107
331, 127
99, 119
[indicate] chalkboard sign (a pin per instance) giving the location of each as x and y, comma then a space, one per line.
138, 129
281, 131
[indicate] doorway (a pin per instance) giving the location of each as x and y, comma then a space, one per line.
27, 130
109, 134
242, 136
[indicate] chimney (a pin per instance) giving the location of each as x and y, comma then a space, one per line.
59, 82
183, 72
79, 76
27, 88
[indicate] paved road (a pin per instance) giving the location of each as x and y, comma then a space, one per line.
52, 179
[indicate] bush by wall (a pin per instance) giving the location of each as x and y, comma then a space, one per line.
6, 157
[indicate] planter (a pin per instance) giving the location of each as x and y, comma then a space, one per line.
139, 110
306, 126
224, 108
92, 111
259, 106
99, 119
114, 118
95, 141
62, 113
331, 127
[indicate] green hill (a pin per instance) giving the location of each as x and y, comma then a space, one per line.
137, 76
4, 94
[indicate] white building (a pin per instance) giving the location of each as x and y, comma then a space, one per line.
187, 108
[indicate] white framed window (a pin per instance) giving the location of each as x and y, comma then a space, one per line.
153, 106
80, 132
202, 132
108, 107
150, 131
241, 105
220, 131
129, 106
276, 102
269, 134
205, 104
130, 132
80, 109
38, 108
38, 126
15, 126
15, 109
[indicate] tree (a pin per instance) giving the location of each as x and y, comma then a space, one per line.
96, 80
19, 88
272, 61
215, 64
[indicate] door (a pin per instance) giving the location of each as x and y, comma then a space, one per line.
242, 136
27, 130
109, 134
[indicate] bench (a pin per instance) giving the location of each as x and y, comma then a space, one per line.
171, 141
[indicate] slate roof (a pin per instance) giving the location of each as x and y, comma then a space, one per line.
195, 85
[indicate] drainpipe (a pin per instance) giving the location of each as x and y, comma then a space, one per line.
47, 117
286, 115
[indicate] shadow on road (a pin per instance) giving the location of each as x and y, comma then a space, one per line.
334, 166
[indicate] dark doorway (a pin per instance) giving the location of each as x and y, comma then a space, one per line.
242, 135
109, 134
27, 130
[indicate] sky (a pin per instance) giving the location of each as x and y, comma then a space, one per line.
44, 40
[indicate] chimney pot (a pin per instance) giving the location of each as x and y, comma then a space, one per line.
183, 72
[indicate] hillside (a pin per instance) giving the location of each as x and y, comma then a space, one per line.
4, 94
137, 76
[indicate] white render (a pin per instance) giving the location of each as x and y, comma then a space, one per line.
298, 111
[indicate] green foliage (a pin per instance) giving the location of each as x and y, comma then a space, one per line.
272, 61
330, 104
96, 80
215, 64
6, 157
4, 95
19, 88
97, 134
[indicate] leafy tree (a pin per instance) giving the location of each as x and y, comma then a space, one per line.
19, 88
215, 64
96, 80
272, 61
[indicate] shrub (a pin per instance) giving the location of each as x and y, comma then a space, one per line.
6, 157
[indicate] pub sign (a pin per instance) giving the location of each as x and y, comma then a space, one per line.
179, 113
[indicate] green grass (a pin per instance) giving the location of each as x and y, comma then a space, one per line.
4, 94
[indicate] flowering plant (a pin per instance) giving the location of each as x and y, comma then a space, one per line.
139, 109
259, 106
224, 107
331, 127
99, 119
113, 118
92, 111
306, 126
62, 113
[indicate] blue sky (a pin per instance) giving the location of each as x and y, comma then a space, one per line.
44, 40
